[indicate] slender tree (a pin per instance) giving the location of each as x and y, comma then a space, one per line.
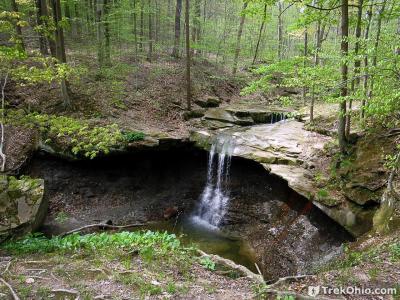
344, 72
41, 19
376, 46
178, 11
150, 15
357, 64
239, 37
280, 29
59, 53
366, 60
18, 28
188, 57
264, 17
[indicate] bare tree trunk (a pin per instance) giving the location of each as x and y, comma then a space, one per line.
60, 49
20, 40
317, 43
150, 52
188, 58
141, 26
260, 34
343, 90
376, 47
357, 64
178, 12
366, 62
135, 26
197, 23
41, 16
107, 48
280, 30
100, 32
239, 37
305, 53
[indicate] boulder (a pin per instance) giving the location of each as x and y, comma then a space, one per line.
193, 114
208, 102
22, 206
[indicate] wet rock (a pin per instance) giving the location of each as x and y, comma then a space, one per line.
22, 206
170, 213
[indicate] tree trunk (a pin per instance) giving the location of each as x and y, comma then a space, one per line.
366, 62
135, 26
41, 15
312, 104
280, 30
150, 52
188, 59
317, 43
260, 34
357, 64
100, 32
107, 48
141, 27
178, 11
344, 71
60, 48
197, 23
239, 37
305, 53
77, 21
376, 47
20, 40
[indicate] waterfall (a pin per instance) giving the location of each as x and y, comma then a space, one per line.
215, 197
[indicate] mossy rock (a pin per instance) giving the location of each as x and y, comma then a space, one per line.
22, 205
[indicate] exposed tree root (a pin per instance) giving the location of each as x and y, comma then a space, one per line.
289, 279
230, 264
100, 226
13, 293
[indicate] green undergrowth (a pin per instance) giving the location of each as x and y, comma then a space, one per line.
148, 243
79, 136
388, 251
145, 263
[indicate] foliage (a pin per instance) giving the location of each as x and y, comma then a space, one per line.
207, 263
161, 243
81, 137
395, 251
133, 136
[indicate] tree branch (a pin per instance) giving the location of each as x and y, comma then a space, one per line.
105, 226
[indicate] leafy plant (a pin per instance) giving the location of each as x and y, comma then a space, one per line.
78, 135
133, 136
207, 263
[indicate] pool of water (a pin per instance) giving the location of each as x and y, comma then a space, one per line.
209, 239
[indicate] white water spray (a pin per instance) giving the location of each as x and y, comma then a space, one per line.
215, 197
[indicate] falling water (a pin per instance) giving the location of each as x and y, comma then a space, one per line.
215, 196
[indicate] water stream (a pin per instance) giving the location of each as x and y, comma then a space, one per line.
215, 196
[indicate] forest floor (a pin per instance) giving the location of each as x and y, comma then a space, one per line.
141, 96
154, 266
